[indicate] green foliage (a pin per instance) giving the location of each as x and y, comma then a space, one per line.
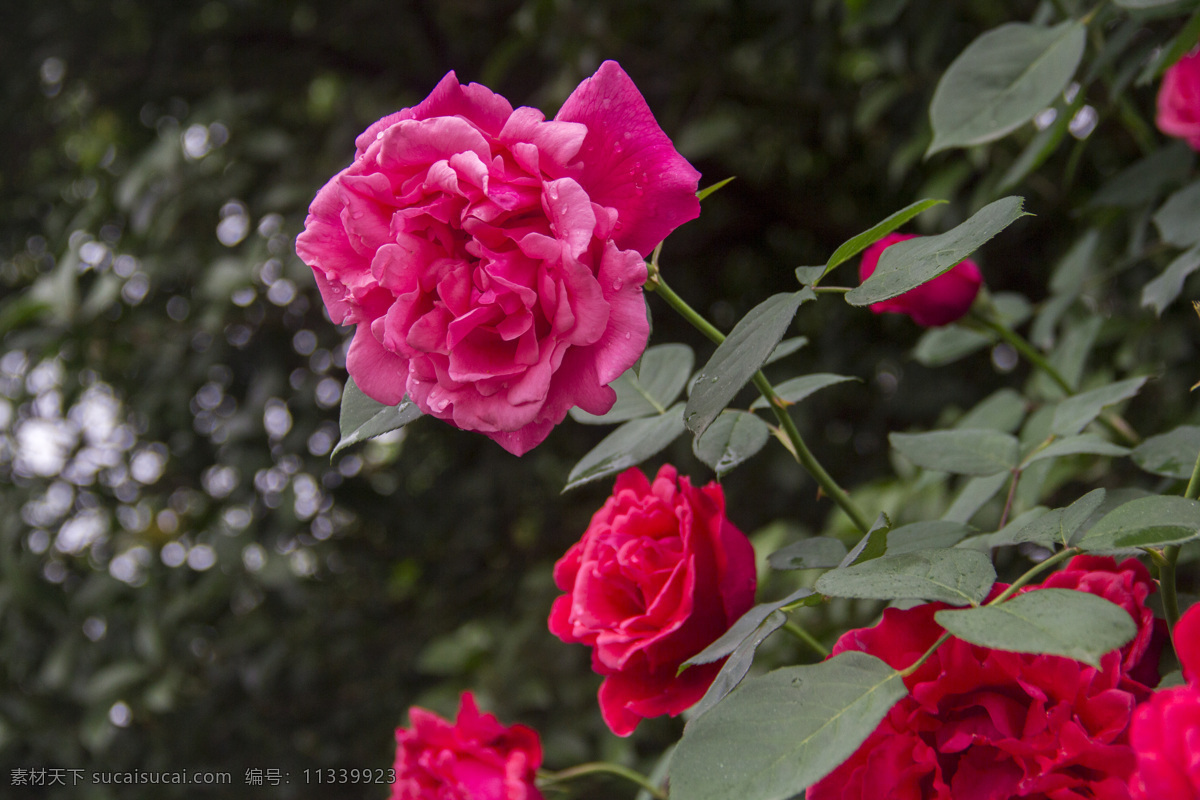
1001, 80
782, 730
1060, 622
906, 265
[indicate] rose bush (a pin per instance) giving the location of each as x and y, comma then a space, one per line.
982, 724
491, 260
940, 301
1166, 728
1179, 100
475, 758
659, 575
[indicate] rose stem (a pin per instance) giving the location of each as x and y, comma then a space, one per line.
655, 283
806, 637
1033, 571
594, 767
1166, 565
1113, 422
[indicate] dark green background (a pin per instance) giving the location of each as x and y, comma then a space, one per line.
428, 568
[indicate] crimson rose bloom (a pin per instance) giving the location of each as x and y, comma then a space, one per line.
492, 260
476, 758
982, 724
1179, 100
937, 302
1166, 728
659, 575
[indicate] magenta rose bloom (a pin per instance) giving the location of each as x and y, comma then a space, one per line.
475, 758
937, 302
1179, 100
658, 576
492, 260
1166, 728
983, 724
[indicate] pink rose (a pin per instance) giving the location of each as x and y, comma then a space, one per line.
1179, 100
982, 724
937, 302
658, 576
476, 758
1166, 728
492, 260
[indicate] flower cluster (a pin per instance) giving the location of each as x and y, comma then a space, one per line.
980, 724
491, 260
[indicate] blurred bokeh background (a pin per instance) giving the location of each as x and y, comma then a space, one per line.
187, 579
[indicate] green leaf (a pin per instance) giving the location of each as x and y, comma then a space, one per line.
815, 552
708, 190
627, 446
1172, 454
1154, 521
735, 669
1143, 3
363, 418
732, 438
947, 344
784, 731
1057, 622
1051, 528
1076, 445
957, 577
1073, 414
649, 388
744, 628
872, 545
1162, 291
906, 265
929, 535
975, 495
862, 241
1184, 41
786, 348
1002, 80
1176, 219
1002, 410
972, 451
741, 355
796, 389
1146, 179
1042, 146
1074, 268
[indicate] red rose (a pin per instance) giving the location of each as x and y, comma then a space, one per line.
659, 575
476, 758
492, 260
937, 302
1166, 728
1179, 100
982, 724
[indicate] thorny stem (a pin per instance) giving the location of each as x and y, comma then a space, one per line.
546, 778
1170, 556
804, 456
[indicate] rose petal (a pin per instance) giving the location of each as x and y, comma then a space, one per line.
628, 163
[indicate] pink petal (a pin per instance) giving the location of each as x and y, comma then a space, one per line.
379, 373
628, 163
